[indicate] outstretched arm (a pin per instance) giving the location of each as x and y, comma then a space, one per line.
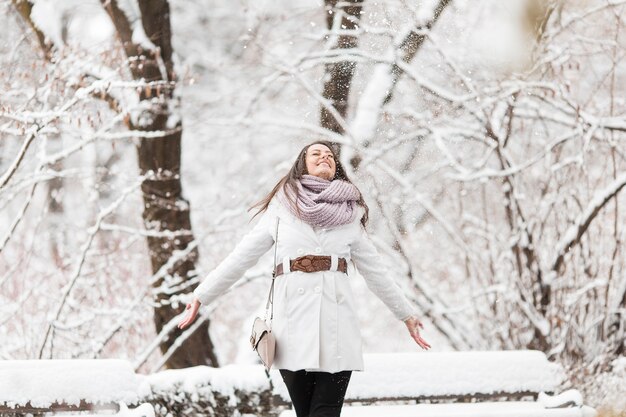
247, 252
368, 262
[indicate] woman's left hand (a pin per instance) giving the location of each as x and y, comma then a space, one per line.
414, 325
192, 311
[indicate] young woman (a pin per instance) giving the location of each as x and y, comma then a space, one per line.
321, 219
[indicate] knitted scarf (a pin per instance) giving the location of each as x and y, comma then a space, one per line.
323, 203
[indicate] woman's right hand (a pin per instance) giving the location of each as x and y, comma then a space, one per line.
192, 311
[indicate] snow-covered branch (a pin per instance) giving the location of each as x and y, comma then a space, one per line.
575, 232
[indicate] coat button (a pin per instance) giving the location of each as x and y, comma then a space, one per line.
300, 290
300, 251
317, 290
318, 250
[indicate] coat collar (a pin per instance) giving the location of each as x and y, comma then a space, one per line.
286, 216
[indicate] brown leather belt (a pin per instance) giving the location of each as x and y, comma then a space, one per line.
313, 263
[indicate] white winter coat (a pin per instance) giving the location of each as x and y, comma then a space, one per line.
315, 324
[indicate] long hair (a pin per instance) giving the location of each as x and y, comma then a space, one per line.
289, 182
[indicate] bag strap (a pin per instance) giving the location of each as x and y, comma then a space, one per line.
270, 297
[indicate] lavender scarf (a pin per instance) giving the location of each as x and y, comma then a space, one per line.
324, 203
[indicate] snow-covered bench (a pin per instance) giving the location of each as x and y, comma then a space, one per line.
433, 384
462, 384
35, 386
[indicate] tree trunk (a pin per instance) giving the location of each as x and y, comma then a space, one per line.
339, 74
165, 208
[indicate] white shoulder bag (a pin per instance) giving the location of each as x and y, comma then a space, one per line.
262, 339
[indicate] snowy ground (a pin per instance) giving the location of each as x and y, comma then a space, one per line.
607, 391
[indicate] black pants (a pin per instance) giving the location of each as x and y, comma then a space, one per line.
316, 394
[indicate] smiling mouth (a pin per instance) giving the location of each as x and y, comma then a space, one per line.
324, 163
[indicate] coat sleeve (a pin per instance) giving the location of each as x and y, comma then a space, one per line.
370, 266
245, 255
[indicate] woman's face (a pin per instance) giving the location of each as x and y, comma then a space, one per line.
320, 161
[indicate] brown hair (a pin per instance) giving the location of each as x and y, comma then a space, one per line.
297, 171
